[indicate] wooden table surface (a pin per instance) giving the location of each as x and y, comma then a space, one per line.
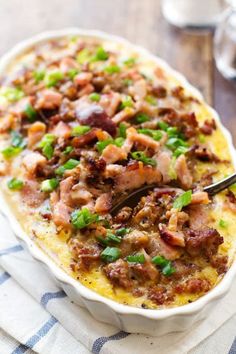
141, 22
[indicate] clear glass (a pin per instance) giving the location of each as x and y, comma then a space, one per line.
193, 13
225, 44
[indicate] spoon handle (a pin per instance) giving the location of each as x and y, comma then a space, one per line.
221, 185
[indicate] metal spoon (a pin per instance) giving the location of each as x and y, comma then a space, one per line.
132, 199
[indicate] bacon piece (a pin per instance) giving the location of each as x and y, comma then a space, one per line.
48, 99
67, 64
60, 211
62, 130
31, 193
200, 198
202, 153
32, 160
79, 194
183, 172
163, 163
95, 116
85, 256
208, 127
133, 241
103, 203
85, 139
204, 242
157, 246
219, 262
6, 123
144, 272
123, 215
159, 91
199, 216
135, 178
82, 79
65, 190
183, 269
139, 89
123, 115
36, 132
186, 123
113, 153
174, 238
118, 273
110, 103
143, 139
159, 294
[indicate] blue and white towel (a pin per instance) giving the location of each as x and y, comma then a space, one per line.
37, 316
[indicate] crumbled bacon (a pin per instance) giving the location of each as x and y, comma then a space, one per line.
208, 127
204, 242
118, 273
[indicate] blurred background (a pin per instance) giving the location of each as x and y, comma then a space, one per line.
189, 50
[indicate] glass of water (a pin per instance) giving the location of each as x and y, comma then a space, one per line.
225, 43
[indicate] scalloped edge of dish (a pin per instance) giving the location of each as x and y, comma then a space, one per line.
128, 318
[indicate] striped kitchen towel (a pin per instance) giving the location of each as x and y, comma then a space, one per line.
37, 316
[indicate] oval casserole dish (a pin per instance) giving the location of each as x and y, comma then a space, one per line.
127, 318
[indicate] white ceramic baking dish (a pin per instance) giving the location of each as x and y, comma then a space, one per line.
127, 318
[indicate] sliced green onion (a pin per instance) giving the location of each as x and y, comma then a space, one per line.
38, 75
72, 73
11, 151
119, 141
180, 150
173, 143
69, 165
15, 184
52, 78
68, 150
136, 258
122, 231
101, 54
95, 97
110, 254
140, 156
112, 69
100, 145
155, 134
167, 268
49, 185
172, 131
12, 94
129, 62
46, 145
80, 130
183, 200
30, 112
82, 218
163, 125
201, 138
141, 118
223, 224
126, 102
127, 82
151, 100
122, 130
17, 139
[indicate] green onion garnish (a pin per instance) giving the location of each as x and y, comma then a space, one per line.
140, 156
95, 97
17, 139
136, 258
49, 185
30, 112
163, 125
12, 94
104, 143
183, 200
46, 145
15, 184
72, 73
82, 218
80, 130
68, 150
223, 224
151, 100
173, 143
122, 130
180, 150
110, 254
52, 78
112, 69
167, 268
122, 231
155, 134
38, 75
129, 62
101, 54
141, 118
84, 56
126, 102
69, 165
11, 151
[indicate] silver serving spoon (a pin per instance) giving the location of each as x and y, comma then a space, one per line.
132, 199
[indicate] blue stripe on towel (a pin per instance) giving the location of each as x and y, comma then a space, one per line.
99, 343
49, 296
42, 332
3, 277
233, 347
12, 249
